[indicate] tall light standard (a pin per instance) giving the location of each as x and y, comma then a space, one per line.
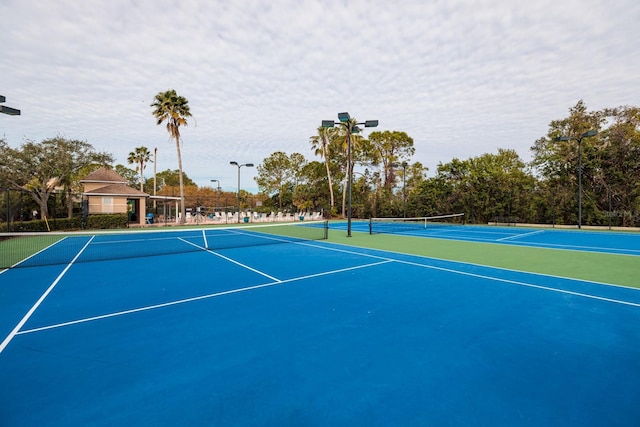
249, 165
217, 191
579, 139
352, 127
155, 180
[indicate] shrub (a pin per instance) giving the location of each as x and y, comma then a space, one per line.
106, 221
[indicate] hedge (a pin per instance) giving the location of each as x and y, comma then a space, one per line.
67, 224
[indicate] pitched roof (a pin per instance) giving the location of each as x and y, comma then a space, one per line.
116, 189
104, 175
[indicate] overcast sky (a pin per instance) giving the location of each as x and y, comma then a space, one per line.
462, 78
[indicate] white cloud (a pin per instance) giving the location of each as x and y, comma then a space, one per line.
461, 77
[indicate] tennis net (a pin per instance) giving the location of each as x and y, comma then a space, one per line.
39, 249
407, 225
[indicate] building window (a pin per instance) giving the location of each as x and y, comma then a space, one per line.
107, 204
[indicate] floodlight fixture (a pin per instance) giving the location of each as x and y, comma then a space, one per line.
10, 111
239, 166
218, 193
344, 117
589, 133
351, 128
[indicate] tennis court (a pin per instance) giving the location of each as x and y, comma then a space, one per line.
590, 241
291, 329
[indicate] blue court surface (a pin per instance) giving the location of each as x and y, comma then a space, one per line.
313, 334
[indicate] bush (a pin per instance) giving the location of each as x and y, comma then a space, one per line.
106, 221
66, 224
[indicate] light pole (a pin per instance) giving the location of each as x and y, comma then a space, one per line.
155, 186
218, 192
579, 139
249, 165
352, 127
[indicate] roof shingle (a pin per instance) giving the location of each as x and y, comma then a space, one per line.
104, 175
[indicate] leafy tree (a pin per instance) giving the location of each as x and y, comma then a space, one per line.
483, 187
41, 168
129, 174
174, 109
309, 193
342, 146
323, 144
140, 157
617, 176
556, 162
391, 147
279, 174
171, 178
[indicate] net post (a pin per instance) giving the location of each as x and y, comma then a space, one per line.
326, 229
370, 225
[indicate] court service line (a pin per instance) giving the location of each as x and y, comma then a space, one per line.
244, 266
232, 260
516, 282
201, 297
517, 236
26, 317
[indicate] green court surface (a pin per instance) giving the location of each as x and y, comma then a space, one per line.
609, 268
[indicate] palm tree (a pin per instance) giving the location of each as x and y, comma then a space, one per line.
140, 156
346, 131
321, 144
174, 109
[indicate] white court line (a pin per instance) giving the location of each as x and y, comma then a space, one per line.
232, 260
516, 282
244, 265
496, 278
517, 236
204, 236
26, 317
588, 249
202, 297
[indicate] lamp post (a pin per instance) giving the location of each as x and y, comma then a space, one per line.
218, 192
249, 165
155, 186
352, 127
579, 139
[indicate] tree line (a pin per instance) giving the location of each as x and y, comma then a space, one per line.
386, 181
491, 187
